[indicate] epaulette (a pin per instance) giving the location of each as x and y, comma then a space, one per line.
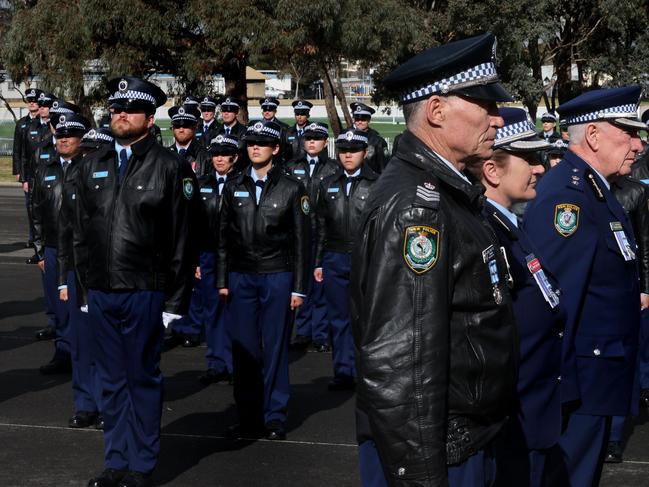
576, 180
426, 194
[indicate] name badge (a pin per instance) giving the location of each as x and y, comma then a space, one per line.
33, 132
23, 126
199, 134
74, 196
291, 137
333, 190
241, 194
542, 282
100, 174
44, 156
644, 181
207, 190
622, 241
50, 178
489, 258
299, 171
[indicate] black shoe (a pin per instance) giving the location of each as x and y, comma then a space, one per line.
613, 452
321, 347
47, 333
342, 383
99, 422
82, 419
29, 245
644, 398
212, 377
237, 431
173, 340
108, 478
300, 342
57, 366
33, 259
275, 430
136, 479
190, 341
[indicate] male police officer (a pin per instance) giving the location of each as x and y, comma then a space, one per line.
378, 147
231, 126
549, 122
589, 243
295, 134
262, 269
431, 313
134, 210
208, 126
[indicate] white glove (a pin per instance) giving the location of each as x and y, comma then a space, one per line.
84, 308
167, 318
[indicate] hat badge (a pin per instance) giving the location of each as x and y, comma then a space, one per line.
349, 135
62, 119
181, 111
41, 96
55, 105
258, 127
32, 93
187, 100
218, 139
299, 104
359, 108
92, 134
313, 126
206, 99
227, 100
123, 84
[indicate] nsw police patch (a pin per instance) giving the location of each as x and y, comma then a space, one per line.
566, 219
421, 248
188, 188
305, 205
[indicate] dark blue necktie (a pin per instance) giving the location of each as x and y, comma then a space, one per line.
227, 130
260, 184
350, 182
220, 180
300, 132
205, 128
182, 152
123, 162
312, 161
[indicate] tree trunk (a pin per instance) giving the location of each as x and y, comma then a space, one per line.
535, 61
330, 101
340, 94
562, 63
237, 85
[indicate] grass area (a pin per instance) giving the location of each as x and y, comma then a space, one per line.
5, 170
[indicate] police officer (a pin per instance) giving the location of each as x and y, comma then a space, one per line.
549, 123
262, 268
208, 126
229, 108
534, 427
554, 153
269, 112
295, 134
589, 243
134, 203
86, 391
184, 120
341, 201
223, 152
93, 139
433, 326
311, 169
377, 150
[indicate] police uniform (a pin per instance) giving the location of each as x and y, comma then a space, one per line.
550, 136
295, 134
377, 149
135, 252
193, 154
232, 104
219, 344
534, 428
341, 201
94, 139
205, 132
589, 243
311, 324
262, 259
270, 104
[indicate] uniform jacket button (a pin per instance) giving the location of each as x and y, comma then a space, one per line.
560, 334
401, 471
559, 379
597, 352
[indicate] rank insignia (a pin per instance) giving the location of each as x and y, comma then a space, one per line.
421, 248
188, 188
306, 206
566, 219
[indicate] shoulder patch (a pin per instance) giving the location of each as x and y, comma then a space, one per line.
421, 248
566, 219
188, 188
305, 205
427, 195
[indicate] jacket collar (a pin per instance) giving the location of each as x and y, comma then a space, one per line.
273, 176
141, 147
501, 221
413, 151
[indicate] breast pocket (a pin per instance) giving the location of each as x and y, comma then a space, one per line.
600, 347
100, 180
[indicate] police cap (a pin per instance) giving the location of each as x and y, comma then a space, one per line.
263, 131
132, 93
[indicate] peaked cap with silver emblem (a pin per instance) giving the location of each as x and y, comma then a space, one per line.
94, 138
46, 99
135, 93
263, 131
32, 94
230, 103
316, 130
71, 125
519, 133
224, 143
208, 104
190, 100
269, 103
302, 107
466, 67
185, 115
618, 106
352, 139
361, 110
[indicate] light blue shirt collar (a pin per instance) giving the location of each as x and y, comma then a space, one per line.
357, 173
119, 147
453, 168
508, 213
255, 178
606, 183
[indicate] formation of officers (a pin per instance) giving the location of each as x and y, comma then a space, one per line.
488, 315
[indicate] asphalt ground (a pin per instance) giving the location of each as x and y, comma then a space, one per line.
37, 448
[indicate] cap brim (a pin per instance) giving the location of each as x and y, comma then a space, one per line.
260, 138
316, 135
629, 123
350, 145
70, 133
525, 146
491, 92
138, 105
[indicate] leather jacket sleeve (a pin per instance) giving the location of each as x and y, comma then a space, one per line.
64, 259
37, 202
302, 224
321, 225
401, 326
222, 239
16, 156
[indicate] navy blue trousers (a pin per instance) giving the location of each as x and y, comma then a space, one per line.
86, 388
643, 352
479, 470
257, 316
335, 270
128, 326
56, 309
29, 215
217, 336
192, 323
583, 444
311, 318
518, 465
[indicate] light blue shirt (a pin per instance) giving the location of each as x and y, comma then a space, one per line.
255, 178
509, 214
225, 178
311, 166
119, 147
348, 186
453, 168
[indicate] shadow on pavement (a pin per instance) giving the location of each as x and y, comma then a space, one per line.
10, 309
11, 247
184, 384
310, 399
14, 383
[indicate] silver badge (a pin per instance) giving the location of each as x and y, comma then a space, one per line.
299, 104
218, 139
41, 96
359, 108
349, 135
181, 111
32, 93
258, 127
227, 100
313, 126
91, 134
206, 99
188, 100
55, 105
62, 119
123, 85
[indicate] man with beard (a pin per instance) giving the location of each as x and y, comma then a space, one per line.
136, 261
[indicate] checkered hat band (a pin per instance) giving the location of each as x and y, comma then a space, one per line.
225, 141
268, 104
623, 111
362, 112
264, 131
71, 125
60, 111
514, 131
186, 116
480, 74
356, 138
98, 136
132, 95
317, 129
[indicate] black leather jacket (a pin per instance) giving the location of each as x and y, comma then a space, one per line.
270, 237
294, 144
196, 156
432, 319
46, 204
634, 198
37, 137
136, 235
376, 151
20, 132
299, 169
210, 199
339, 216
204, 138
